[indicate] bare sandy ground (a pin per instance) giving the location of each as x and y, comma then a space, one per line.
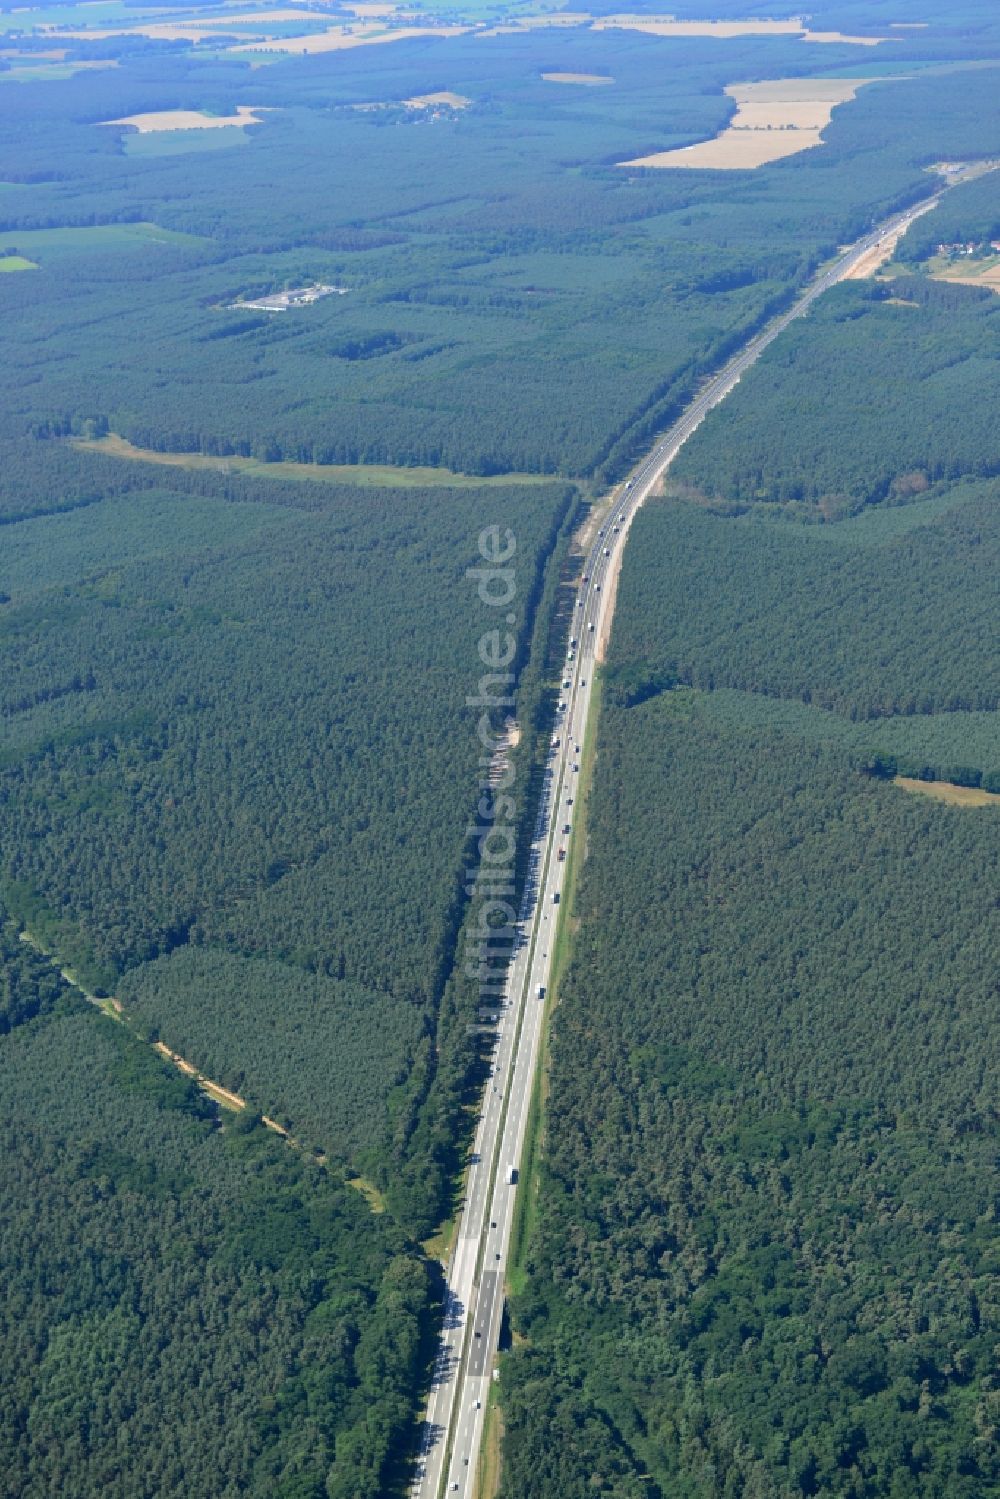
723, 30
187, 119
591, 80
775, 118
879, 256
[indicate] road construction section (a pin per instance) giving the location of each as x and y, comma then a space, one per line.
475, 1296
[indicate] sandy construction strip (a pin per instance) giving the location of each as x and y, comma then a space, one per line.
726, 30
186, 119
775, 118
883, 252
591, 80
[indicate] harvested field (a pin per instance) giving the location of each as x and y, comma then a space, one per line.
725, 30
435, 101
187, 119
946, 791
774, 118
969, 272
337, 39
589, 79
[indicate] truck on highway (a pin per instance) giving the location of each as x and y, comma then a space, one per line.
591, 625
540, 991
562, 854
511, 1176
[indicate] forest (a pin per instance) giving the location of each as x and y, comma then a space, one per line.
764, 1254
888, 380
237, 765
230, 768
182, 1299
524, 304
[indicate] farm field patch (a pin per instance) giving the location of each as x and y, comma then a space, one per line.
99, 237
444, 99
774, 118
17, 263
340, 38
969, 272
727, 30
187, 119
591, 80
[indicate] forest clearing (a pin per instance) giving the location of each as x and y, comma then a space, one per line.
947, 791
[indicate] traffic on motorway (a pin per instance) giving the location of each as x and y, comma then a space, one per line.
453, 1426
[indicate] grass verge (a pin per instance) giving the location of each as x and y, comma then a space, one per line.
386, 476
526, 1205
487, 1479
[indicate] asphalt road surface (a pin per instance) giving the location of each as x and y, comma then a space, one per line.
453, 1427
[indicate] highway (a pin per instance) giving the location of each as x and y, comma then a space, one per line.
452, 1433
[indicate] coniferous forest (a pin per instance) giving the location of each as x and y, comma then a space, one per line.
238, 763
764, 1256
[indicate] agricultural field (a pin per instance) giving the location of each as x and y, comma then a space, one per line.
188, 119
773, 119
